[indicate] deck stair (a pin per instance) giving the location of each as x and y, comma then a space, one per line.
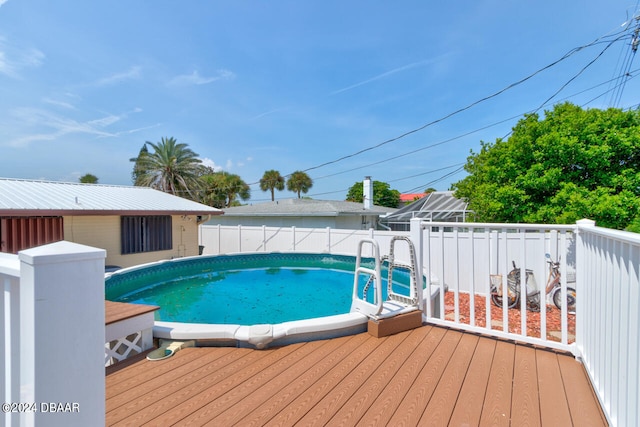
399, 311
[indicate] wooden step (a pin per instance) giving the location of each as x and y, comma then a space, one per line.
392, 325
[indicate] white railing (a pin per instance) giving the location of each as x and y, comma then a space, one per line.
53, 335
465, 256
608, 320
602, 265
10, 331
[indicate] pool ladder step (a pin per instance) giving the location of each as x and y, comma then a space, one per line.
396, 304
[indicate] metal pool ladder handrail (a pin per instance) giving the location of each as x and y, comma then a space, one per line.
395, 303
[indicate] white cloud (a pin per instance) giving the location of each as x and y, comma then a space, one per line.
196, 79
14, 58
132, 73
3, 2
388, 73
210, 163
40, 125
58, 103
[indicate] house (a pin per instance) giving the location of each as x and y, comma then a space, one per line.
134, 225
307, 213
435, 206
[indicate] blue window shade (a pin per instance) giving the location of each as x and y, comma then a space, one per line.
145, 234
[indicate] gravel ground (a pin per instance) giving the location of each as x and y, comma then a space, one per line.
533, 318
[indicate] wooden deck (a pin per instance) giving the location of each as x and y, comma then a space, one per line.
427, 376
118, 311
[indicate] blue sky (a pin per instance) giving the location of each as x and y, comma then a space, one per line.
294, 85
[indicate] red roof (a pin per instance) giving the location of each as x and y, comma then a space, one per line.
411, 197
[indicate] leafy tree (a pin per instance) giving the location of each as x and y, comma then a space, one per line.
299, 182
171, 167
271, 181
138, 168
382, 194
89, 179
222, 189
572, 164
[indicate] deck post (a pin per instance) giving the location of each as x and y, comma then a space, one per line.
62, 335
416, 237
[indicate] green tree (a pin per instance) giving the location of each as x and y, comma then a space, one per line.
222, 189
299, 182
138, 167
89, 179
572, 164
383, 195
271, 181
171, 167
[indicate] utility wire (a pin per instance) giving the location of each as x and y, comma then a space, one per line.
473, 104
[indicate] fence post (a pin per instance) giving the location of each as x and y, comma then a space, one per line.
328, 239
62, 334
582, 266
293, 237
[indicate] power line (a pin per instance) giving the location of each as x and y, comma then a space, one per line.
473, 104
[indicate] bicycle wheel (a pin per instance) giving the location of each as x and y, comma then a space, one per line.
571, 299
512, 301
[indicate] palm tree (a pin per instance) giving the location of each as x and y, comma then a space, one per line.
221, 189
299, 182
272, 180
171, 167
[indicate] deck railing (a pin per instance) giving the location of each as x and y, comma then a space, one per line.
608, 321
465, 258
602, 265
52, 329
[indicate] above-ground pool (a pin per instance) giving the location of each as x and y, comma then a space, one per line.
254, 298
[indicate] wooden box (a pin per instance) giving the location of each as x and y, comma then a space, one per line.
392, 325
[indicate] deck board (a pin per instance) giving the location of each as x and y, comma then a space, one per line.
470, 401
427, 376
579, 394
117, 311
377, 381
438, 411
497, 404
525, 403
554, 406
412, 406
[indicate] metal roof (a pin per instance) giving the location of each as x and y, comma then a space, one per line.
33, 198
436, 206
306, 207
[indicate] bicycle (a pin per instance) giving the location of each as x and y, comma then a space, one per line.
513, 290
554, 287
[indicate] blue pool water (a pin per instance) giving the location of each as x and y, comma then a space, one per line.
243, 289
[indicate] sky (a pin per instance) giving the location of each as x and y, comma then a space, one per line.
400, 91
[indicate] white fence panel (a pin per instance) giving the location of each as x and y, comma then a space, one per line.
608, 319
464, 256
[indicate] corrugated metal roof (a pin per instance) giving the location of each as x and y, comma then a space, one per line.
305, 207
18, 196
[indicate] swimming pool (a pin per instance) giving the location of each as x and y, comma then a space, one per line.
255, 298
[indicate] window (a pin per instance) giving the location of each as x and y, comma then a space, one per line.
18, 233
145, 234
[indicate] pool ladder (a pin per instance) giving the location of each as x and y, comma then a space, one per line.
373, 306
